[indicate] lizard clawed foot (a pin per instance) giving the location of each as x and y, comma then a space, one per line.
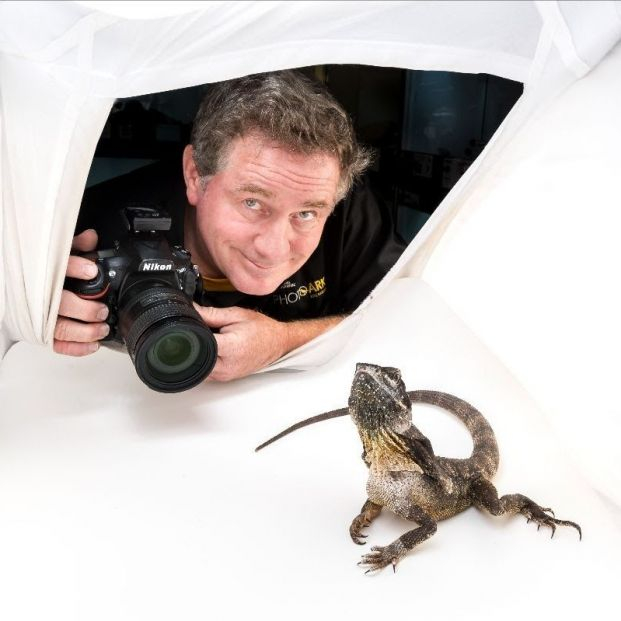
381, 557
542, 517
355, 530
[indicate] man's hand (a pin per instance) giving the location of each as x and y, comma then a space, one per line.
80, 323
249, 341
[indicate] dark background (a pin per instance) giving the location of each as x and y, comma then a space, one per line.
426, 127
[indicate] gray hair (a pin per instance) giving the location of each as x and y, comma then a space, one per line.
287, 108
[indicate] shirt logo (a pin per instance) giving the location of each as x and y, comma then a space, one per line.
292, 294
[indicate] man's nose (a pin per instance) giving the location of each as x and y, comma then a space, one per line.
273, 240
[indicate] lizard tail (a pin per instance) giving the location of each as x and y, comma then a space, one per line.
304, 423
485, 456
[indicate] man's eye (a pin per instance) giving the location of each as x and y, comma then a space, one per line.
251, 203
306, 216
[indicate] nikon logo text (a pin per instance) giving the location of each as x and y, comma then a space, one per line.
155, 266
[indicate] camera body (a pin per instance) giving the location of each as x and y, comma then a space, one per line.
148, 286
142, 258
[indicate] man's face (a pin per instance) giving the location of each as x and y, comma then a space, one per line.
260, 218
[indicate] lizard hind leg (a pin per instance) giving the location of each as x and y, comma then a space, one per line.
382, 556
485, 496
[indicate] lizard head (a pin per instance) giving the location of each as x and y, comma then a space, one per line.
379, 400
381, 408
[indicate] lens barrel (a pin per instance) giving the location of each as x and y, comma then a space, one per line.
171, 347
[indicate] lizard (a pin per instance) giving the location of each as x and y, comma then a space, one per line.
405, 475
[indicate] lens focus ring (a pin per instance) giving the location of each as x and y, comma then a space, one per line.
158, 306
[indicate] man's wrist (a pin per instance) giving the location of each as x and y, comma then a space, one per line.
300, 332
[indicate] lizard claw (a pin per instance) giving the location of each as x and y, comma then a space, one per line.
380, 557
545, 517
355, 530
357, 537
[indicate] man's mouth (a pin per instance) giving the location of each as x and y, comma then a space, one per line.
258, 264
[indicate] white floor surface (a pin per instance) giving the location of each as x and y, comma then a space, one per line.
118, 503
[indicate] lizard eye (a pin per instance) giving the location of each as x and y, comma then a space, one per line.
393, 374
393, 381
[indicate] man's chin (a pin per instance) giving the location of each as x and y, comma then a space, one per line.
256, 286
249, 278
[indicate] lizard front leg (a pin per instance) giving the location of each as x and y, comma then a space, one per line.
367, 514
381, 557
485, 496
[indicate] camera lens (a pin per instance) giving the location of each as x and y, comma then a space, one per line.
170, 345
175, 351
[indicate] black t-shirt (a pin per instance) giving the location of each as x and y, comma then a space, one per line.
357, 247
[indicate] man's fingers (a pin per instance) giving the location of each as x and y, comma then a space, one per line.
75, 349
220, 317
85, 241
77, 332
219, 373
80, 323
79, 267
75, 307
222, 371
226, 342
79, 326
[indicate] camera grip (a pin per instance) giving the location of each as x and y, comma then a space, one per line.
93, 289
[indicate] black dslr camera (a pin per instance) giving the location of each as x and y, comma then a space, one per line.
148, 285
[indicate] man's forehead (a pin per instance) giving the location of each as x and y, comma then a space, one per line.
261, 167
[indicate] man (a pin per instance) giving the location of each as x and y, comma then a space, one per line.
271, 155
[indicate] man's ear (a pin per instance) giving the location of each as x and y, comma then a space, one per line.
193, 186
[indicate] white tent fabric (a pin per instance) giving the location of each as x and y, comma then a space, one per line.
518, 266
63, 65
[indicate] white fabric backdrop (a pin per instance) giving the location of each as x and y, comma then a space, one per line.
508, 297
62, 64
538, 240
